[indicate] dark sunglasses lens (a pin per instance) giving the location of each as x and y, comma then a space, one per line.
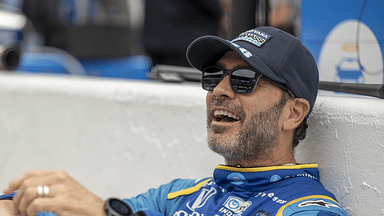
211, 78
244, 80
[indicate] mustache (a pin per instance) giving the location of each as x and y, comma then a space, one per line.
235, 108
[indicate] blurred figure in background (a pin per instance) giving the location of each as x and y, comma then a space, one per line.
101, 35
285, 15
84, 28
281, 14
225, 21
171, 25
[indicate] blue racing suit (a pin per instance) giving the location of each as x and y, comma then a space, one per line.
289, 190
293, 190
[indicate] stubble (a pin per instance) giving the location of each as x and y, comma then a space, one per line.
256, 139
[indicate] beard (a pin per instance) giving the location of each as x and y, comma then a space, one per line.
256, 139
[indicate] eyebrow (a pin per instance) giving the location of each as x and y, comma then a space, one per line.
219, 64
237, 66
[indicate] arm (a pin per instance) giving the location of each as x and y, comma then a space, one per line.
166, 199
156, 199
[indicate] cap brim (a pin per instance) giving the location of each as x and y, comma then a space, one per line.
207, 50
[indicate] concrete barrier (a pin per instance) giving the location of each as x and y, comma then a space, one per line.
120, 137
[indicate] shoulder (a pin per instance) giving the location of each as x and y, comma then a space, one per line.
314, 205
182, 187
166, 198
305, 195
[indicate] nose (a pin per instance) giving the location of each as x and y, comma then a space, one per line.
223, 89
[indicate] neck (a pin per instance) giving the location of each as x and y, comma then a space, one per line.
277, 157
255, 163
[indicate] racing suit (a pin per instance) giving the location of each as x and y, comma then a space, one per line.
279, 190
292, 190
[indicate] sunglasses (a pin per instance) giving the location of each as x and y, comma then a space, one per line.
242, 80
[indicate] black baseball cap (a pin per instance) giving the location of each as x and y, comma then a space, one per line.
278, 55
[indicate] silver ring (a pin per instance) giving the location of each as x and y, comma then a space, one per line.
45, 190
39, 191
42, 191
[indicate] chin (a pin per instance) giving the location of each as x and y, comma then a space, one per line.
222, 140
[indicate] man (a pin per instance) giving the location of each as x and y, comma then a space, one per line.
170, 25
261, 88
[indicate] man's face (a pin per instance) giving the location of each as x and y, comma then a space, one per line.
243, 126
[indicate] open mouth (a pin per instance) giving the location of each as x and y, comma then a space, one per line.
225, 116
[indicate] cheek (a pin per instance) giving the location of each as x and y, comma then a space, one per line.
252, 105
260, 102
208, 99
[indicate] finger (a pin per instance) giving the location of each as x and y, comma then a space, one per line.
48, 205
26, 184
28, 196
28, 190
23, 197
38, 205
62, 203
17, 182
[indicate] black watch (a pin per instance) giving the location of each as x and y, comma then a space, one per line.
117, 207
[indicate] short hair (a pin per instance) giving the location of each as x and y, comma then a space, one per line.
300, 132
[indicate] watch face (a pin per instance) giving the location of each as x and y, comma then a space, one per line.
120, 207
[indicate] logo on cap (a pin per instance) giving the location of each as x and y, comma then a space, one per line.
254, 36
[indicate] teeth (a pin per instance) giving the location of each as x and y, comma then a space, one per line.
222, 113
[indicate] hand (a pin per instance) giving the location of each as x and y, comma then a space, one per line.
66, 196
6, 208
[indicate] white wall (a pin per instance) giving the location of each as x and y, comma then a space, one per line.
346, 138
121, 137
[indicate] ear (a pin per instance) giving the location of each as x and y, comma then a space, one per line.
296, 111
